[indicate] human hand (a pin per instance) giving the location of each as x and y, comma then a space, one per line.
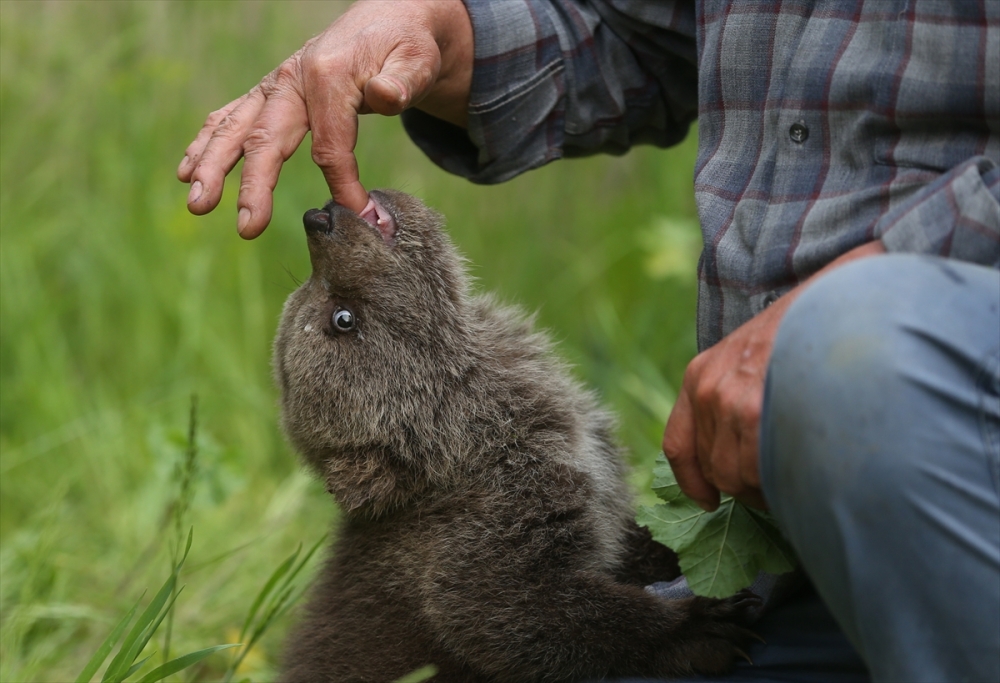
712, 434
378, 57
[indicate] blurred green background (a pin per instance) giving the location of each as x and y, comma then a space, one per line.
117, 306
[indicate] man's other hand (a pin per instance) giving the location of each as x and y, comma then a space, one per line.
711, 438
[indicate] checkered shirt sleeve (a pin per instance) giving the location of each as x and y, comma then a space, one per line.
563, 79
823, 124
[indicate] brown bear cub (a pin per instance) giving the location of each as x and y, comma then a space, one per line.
486, 527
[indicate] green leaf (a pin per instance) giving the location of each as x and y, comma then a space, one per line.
183, 662
105, 649
720, 552
421, 674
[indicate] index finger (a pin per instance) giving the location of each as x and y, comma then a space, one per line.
334, 122
681, 451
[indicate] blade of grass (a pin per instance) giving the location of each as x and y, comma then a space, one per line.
258, 631
126, 655
147, 634
270, 615
276, 606
291, 602
266, 590
187, 549
421, 674
144, 627
302, 563
183, 662
180, 507
135, 667
105, 649
151, 629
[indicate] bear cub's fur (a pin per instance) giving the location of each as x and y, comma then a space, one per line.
486, 527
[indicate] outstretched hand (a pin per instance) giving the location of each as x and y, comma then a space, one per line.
369, 60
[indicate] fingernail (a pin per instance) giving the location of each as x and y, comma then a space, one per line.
184, 161
195, 193
400, 95
242, 220
395, 85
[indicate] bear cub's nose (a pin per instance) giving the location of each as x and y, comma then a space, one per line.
317, 220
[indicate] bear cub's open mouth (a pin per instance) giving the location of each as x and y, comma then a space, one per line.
374, 213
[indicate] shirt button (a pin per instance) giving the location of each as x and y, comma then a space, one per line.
799, 132
769, 299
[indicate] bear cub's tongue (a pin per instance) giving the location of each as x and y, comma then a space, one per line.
379, 218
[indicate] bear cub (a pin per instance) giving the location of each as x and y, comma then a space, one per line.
486, 527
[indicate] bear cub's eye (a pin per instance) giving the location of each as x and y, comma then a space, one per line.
343, 320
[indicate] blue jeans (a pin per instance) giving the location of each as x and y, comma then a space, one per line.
880, 457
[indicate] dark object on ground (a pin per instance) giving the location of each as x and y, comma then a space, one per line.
486, 525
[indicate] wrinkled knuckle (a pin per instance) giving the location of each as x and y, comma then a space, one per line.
227, 127
215, 118
259, 138
248, 191
315, 65
698, 362
288, 72
204, 172
325, 157
671, 452
728, 405
704, 395
308, 62
693, 372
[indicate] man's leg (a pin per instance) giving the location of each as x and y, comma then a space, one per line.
880, 457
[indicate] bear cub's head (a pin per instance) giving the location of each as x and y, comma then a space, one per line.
370, 343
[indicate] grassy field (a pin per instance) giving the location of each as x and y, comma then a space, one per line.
117, 306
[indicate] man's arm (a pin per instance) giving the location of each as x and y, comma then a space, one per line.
553, 78
712, 434
567, 78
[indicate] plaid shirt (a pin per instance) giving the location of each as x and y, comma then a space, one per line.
823, 124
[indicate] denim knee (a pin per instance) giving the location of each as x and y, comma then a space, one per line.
869, 357
835, 365
878, 466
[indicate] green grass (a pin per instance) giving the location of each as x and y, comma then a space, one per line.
117, 306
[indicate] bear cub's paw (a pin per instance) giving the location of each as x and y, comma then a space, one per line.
715, 634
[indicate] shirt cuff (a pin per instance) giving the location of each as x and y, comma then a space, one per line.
516, 90
556, 78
